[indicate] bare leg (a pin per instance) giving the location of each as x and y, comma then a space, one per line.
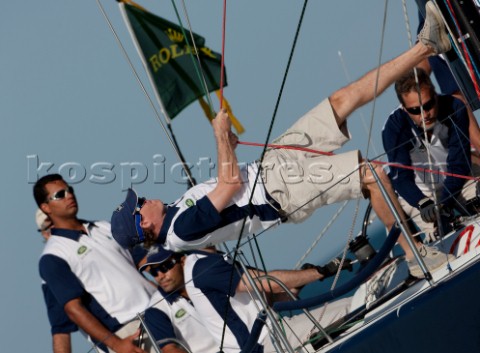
380, 207
351, 97
432, 39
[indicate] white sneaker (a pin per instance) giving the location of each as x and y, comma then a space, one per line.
433, 259
433, 33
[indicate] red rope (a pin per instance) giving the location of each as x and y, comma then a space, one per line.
222, 65
396, 165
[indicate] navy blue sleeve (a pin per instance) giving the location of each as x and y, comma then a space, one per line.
214, 273
59, 320
459, 154
63, 284
197, 221
397, 145
159, 325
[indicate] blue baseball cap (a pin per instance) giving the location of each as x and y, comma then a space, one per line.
156, 255
124, 229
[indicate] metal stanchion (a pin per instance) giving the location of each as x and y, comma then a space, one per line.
271, 316
406, 233
305, 311
150, 337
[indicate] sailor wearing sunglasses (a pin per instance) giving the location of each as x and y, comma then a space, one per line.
428, 127
192, 295
88, 274
60, 324
171, 315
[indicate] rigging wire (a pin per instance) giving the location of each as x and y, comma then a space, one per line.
343, 257
362, 117
142, 86
320, 236
202, 79
267, 139
222, 65
198, 64
424, 126
199, 70
138, 79
369, 141
457, 131
454, 126
377, 79
276, 108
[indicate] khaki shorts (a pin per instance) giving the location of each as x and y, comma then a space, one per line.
303, 181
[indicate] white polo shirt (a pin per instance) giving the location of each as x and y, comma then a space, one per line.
192, 222
207, 280
173, 316
96, 268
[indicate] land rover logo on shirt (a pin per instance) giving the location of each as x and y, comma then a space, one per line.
81, 250
189, 202
180, 313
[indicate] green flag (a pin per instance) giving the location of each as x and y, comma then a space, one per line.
167, 57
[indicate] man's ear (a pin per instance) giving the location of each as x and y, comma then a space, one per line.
45, 208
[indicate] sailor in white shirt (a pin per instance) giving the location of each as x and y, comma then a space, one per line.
171, 314
88, 273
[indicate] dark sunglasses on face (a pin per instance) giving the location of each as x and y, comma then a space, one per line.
164, 267
426, 107
138, 219
61, 194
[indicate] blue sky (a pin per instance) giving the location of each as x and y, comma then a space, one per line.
70, 99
